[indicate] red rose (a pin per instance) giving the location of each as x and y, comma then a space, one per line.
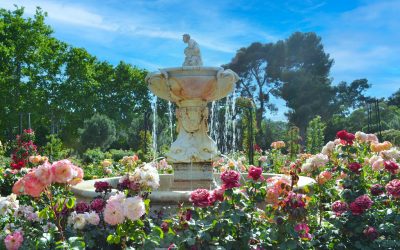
164, 226
377, 189
82, 207
200, 197
355, 209
15, 166
339, 207
255, 173
188, 214
360, 204
102, 186
345, 137
257, 148
217, 195
230, 179
98, 205
371, 233
355, 167
393, 188
391, 166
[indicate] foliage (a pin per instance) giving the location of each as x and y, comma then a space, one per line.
350, 96
392, 135
315, 135
55, 149
274, 130
394, 99
94, 155
98, 131
61, 85
293, 141
118, 154
306, 86
256, 66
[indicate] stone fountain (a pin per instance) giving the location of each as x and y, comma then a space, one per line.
191, 87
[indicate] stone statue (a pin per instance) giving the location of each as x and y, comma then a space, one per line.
192, 52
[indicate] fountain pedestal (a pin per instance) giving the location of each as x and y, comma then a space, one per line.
190, 176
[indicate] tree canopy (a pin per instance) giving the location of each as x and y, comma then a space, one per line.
58, 84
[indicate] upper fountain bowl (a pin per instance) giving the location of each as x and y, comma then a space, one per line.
192, 83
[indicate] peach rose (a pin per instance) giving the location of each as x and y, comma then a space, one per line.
63, 171
32, 185
324, 177
378, 164
19, 187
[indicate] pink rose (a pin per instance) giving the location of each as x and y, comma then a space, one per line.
14, 241
393, 188
44, 174
303, 230
77, 176
63, 171
255, 173
230, 179
378, 164
200, 197
114, 213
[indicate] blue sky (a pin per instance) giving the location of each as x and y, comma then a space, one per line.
363, 37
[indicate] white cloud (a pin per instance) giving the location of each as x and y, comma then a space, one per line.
65, 13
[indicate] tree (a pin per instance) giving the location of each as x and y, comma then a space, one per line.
394, 99
350, 96
30, 66
98, 131
306, 86
257, 65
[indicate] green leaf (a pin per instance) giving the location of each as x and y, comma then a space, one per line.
71, 202
158, 231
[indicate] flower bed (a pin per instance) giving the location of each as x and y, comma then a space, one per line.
354, 204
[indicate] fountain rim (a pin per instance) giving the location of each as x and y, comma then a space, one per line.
190, 71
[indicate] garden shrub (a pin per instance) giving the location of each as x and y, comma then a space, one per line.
391, 135
54, 148
94, 155
98, 131
315, 135
118, 154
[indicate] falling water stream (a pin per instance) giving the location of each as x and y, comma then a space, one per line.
154, 132
170, 121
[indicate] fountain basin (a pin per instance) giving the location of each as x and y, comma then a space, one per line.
180, 84
166, 195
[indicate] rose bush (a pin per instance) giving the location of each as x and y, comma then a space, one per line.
354, 204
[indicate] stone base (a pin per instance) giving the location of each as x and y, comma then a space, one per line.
191, 176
